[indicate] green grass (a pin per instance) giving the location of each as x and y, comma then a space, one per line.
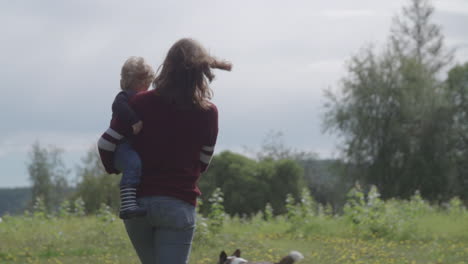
438, 238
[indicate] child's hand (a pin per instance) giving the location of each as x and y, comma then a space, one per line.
137, 127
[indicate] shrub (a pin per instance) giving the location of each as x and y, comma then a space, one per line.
217, 214
370, 216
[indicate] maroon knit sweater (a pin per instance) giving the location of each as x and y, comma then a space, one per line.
175, 146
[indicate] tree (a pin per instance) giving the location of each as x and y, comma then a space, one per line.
414, 36
95, 186
287, 179
457, 92
367, 115
248, 185
47, 173
391, 114
320, 176
236, 176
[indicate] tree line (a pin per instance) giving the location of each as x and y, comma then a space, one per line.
247, 184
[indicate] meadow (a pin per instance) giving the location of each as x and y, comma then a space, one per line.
368, 230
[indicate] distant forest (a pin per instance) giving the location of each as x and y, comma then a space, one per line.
14, 200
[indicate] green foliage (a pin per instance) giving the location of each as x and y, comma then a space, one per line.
287, 179
248, 185
79, 207
368, 213
457, 93
456, 207
293, 212
417, 206
216, 215
47, 173
395, 124
268, 213
39, 208
65, 209
327, 180
322, 177
235, 175
308, 204
203, 233
301, 213
371, 217
95, 186
105, 213
423, 233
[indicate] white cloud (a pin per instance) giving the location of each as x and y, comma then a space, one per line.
333, 66
350, 13
452, 6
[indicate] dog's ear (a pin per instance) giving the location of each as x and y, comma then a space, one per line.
236, 253
222, 257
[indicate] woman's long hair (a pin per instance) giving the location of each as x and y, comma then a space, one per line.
186, 74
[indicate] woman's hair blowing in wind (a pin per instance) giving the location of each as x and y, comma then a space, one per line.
186, 73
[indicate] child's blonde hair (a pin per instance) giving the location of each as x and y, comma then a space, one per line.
186, 72
135, 71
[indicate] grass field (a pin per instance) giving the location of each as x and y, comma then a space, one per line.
369, 230
94, 239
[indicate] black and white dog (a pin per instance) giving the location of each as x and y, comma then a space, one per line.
236, 259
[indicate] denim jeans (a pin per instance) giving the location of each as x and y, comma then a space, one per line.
128, 162
164, 235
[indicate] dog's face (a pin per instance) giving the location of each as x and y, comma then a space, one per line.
233, 259
236, 259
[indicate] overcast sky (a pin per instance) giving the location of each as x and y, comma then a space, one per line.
61, 63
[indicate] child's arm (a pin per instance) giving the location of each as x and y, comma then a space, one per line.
121, 108
106, 146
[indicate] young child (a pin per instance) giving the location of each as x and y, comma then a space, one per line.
115, 150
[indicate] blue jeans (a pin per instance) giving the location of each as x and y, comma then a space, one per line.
164, 235
128, 162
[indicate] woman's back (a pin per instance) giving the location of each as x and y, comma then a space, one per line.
170, 145
176, 144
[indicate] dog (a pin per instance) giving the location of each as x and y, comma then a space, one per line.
236, 259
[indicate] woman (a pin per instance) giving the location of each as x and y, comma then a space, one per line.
179, 133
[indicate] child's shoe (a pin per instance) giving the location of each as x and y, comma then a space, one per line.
128, 205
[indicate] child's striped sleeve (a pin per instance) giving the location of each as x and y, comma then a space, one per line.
106, 146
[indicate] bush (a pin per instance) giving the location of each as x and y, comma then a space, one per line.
217, 214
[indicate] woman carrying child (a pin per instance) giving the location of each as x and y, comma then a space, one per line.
180, 127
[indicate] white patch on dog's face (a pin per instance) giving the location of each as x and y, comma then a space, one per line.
235, 260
